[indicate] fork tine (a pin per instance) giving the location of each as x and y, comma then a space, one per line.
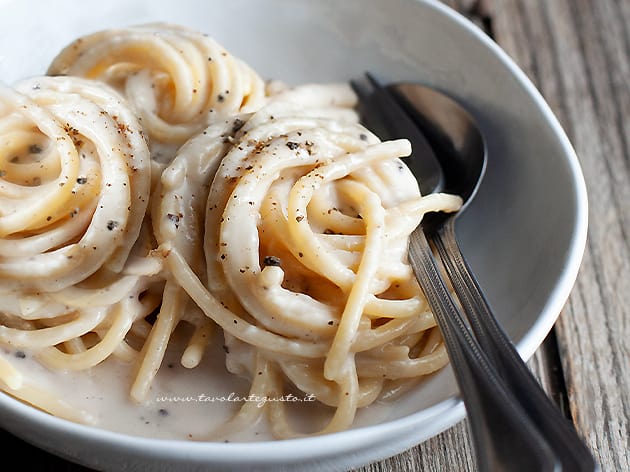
362, 88
382, 114
379, 112
374, 82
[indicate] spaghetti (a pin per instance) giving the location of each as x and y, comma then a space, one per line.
175, 78
74, 190
280, 221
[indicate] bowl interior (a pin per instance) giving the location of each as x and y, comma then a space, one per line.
524, 233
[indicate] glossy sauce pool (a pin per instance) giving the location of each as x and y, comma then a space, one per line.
189, 404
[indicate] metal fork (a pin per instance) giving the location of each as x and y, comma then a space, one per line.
514, 425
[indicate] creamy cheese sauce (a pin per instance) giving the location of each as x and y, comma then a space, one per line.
189, 404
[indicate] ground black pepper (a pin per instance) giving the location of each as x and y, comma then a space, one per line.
272, 261
174, 218
34, 149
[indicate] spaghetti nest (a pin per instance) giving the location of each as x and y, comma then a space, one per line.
305, 234
175, 78
74, 189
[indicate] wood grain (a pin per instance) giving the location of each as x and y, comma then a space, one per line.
578, 53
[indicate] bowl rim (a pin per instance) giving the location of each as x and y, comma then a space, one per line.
448, 411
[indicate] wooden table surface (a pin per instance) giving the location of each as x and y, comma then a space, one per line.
578, 54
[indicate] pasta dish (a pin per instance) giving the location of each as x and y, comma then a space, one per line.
158, 198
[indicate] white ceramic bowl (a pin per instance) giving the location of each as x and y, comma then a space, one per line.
524, 234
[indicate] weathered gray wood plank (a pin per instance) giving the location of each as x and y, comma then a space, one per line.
578, 53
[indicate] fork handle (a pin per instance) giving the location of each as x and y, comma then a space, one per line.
504, 437
573, 453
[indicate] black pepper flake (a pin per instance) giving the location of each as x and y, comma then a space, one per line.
34, 149
301, 254
238, 124
220, 97
235, 321
20, 354
163, 412
273, 261
331, 322
174, 218
82, 180
363, 137
299, 218
293, 145
111, 224
226, 349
